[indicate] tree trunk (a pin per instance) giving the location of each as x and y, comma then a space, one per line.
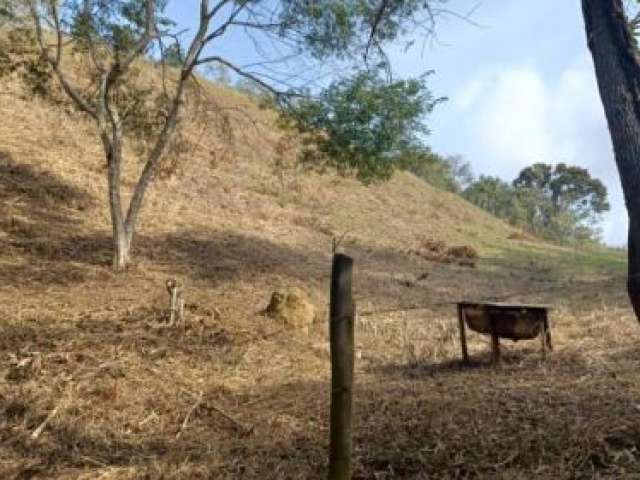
615, 57
124, 226
121, 234
121, 250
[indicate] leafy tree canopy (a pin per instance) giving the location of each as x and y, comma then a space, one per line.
449, 173
491, 194
347, 28
364, 123
7, 10
560, 202
567, 188
116, 23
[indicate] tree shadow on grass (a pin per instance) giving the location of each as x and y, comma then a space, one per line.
218, 256
526, 362
48, 242
39, 219
483, 424
480, 425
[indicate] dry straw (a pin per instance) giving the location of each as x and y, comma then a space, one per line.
84, 370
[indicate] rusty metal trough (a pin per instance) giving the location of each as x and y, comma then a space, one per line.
504, 320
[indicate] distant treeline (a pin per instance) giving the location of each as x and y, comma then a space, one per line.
562, 203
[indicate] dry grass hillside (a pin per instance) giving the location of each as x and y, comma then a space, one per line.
233, 394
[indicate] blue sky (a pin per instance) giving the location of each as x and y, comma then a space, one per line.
521, 89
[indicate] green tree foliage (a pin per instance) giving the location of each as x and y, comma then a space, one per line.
562, 202
348, 28
7, 11
172, 55
449, 173
461, 171
567, 189
19, 53
363, 124
492, 194
116, 23
12, 13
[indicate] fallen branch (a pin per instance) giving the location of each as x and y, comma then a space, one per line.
243, 428
38, 431
188, 416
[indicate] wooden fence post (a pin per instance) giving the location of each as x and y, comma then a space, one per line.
341, 334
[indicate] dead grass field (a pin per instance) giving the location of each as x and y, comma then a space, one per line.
232, 395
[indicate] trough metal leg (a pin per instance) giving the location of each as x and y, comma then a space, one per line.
495, 342
463, 335
547, 332
545, 337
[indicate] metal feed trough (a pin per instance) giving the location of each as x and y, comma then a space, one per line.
504, 320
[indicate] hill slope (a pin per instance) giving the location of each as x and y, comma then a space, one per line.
234, 226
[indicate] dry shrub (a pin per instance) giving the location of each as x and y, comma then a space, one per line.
523, 235
438, 251
292, 308
435, 246
463, 252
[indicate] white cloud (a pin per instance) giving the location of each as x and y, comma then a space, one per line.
470, 93
514, 116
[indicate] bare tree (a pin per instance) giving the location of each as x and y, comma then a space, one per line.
102, 106
322, 36
617, 65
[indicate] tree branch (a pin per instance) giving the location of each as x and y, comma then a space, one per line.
192, 60
91, 44
376, 23
242, 73
141, 45
223, 28
55, 61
